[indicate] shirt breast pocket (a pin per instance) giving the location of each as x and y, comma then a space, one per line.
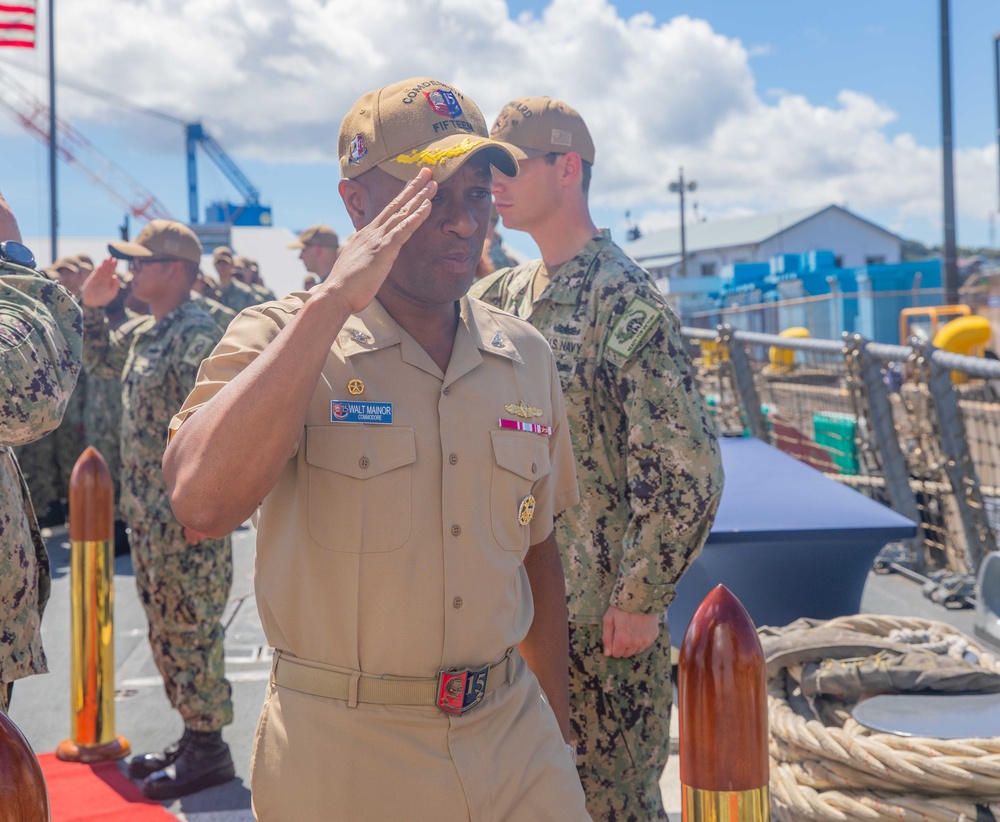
360, 493
520, 460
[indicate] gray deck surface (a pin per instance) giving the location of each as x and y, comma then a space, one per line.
40, 705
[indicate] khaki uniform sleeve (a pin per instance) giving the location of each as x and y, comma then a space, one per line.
248, 334
40, 348
674, 469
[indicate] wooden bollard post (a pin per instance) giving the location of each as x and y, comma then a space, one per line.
23, 797
722, 702
92, 649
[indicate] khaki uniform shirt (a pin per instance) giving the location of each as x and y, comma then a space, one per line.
648, 461
40, 343
402, 537
395, 547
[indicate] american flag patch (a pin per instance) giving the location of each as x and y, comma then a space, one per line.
531, 427
17, 24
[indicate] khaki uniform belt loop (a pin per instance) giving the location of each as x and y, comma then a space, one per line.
352, 693
355, 687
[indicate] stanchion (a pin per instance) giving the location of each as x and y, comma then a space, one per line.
722, 703
92, 649
23, 797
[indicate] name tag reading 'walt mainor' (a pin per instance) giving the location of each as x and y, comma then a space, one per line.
379, 413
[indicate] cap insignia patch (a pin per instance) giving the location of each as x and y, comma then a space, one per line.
426, 157
444, 102
358, 149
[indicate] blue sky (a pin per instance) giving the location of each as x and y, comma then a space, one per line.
768, 105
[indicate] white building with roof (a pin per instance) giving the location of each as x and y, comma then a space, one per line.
715, 245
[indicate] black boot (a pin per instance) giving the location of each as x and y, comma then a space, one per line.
142, 765
204, 761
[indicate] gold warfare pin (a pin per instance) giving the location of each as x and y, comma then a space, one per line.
355, 387
522, 410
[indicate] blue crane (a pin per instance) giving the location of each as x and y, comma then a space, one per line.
250, 212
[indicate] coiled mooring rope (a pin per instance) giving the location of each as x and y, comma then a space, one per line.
826, 766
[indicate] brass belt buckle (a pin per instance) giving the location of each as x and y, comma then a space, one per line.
461, 690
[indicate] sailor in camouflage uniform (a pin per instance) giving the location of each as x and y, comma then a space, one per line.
102, 408
648, 461
183, 578
40, 341
233, 294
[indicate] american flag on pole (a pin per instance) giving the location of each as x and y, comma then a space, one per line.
17, 24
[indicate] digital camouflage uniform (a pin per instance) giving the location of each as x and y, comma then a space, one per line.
47, 463
264, 294
184, 588
216, 310
237, 296
650, 477
102, 413
40, 339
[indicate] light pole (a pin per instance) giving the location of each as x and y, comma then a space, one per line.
996, 73
677, 186
949, 267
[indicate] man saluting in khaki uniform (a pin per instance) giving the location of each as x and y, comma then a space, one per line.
410, 453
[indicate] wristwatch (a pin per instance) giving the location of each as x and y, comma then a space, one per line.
12, 251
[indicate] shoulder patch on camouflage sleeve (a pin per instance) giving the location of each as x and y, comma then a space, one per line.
198, 349
633, 326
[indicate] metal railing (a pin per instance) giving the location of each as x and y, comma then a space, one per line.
914, 427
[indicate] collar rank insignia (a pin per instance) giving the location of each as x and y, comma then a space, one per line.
497, 341
359, 336
522, 410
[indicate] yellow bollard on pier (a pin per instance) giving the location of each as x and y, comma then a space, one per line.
722, 708
92, 649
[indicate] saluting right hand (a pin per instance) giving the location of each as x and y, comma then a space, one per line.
367, 257
102, 286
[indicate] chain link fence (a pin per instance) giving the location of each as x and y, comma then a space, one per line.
913, 427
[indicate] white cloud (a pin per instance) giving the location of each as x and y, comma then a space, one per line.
272, 79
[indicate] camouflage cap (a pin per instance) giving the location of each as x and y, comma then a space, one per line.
416, 123
161, 238
316, 235
534, 126
84, 261
223, 252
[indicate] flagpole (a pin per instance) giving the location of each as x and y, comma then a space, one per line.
53, 208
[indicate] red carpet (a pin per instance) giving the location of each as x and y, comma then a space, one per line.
88, 793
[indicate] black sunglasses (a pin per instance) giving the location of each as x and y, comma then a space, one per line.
136, 263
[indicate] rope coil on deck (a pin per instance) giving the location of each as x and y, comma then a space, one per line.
826, 766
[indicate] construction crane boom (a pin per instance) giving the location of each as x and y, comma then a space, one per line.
250, 212
76, 150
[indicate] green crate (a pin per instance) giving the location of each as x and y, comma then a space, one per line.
835, 433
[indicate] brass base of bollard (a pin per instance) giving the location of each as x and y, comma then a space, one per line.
726, 806
117, 748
